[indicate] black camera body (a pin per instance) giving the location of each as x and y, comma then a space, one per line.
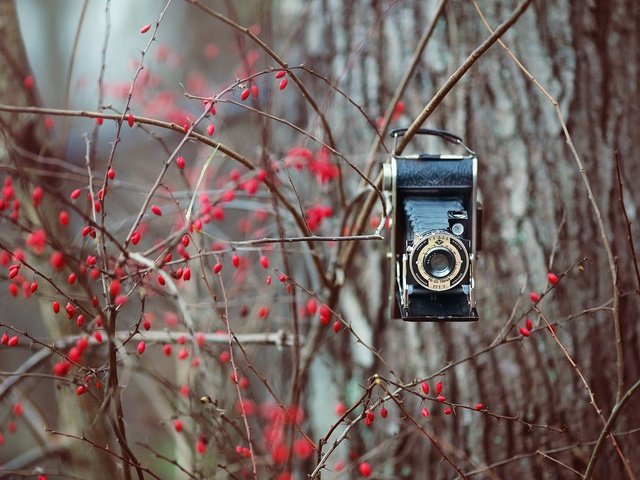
435, 223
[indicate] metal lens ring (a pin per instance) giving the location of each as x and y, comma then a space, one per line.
439, 260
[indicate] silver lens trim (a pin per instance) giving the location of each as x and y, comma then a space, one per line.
428, 243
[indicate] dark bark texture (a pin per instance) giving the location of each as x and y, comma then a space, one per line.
537, 218
586, 54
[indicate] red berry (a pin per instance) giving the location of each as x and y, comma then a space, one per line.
71, 279
228, 195
217, 268
98, 336
180, 162
81, 390
186, 275
55, 306
263, 312
337, 326
130, 119
36, 196
183, 353
13, 271
268, 280
425, 388
99, 120
553, 278
529, 324
28, 82
75, 194
245, 94
439, 387
524, 332
61, 369
71, 310
13, 341
63, 218
364, 469
156, 210
340, 409
224, 356
255, 91
280, 73
217, 212
325, 315
478, 406
114, 288
211, 129
312, 306
448, 411
33, 287
167, 349
264, 261
425, 412
283, 84
535, 297
111, 173
135, 237
177, 425
201, 446
142, 346
235, 260
441, 398
145, 29
384, 412
75, 355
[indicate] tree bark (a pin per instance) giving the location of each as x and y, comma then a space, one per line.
587, 55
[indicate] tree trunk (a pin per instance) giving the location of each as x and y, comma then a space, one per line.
587, 56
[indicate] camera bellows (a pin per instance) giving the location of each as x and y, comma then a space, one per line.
426, 214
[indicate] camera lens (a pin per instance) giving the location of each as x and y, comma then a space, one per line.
439, 262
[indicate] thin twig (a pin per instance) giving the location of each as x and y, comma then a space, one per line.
607, 428
106, 450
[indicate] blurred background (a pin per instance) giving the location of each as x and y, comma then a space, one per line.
350, 56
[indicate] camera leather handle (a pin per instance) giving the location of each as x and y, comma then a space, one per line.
449, 137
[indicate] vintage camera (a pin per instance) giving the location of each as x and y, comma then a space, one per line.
434, 232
